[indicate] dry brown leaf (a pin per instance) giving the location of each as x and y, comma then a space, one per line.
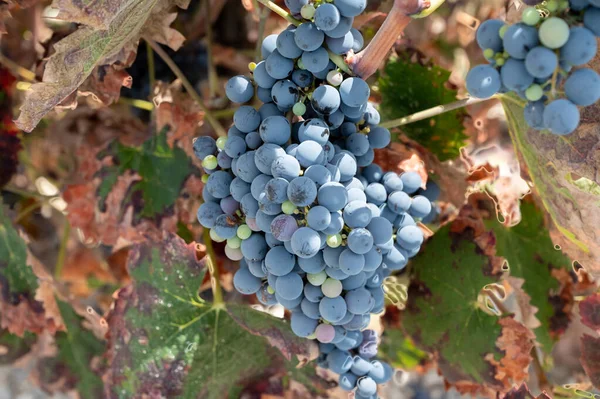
516, 341
589, 309
77, 55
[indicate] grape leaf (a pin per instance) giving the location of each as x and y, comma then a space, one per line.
162, 169
590, 358
563, 170
165, 340
13, 346
76, 349
407, 87
400, 351
444, 315
523, 392
589, 309
531, 255
121, 23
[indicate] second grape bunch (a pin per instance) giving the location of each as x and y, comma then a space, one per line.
537, 59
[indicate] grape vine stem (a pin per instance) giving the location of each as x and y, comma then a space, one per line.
188, 87
213, 268
431, 112
336, 59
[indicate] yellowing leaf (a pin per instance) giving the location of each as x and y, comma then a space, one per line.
80, 53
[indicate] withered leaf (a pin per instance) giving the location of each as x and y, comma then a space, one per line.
589, 309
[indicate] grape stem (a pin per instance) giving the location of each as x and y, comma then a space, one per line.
431, 112
366, 62
188, 87
338, 60
213, 79
213, 268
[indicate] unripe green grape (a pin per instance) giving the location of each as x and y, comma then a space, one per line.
300, 64
234, 242
307, 11
215, 237
312, 336
270, 290
531, 16
488, 53
554, 33
317, 279
252, 66
334, 241
332, 288
288, 208
204, 179
209, 162
534, 92
502, 31
335, 78
221, 141
552, 5
500, 61
299, 109
244, 232
563, 5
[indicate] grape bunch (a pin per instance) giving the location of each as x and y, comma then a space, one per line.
294, 192
535, 58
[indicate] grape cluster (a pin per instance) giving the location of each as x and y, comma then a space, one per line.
535, 58
293, 191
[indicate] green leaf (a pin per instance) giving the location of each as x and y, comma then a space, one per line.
531, 255
445, 315
76, 349
400, 350
121, 24
165, 339
13, 346
17, 278
551, 163
408, 87
163, 171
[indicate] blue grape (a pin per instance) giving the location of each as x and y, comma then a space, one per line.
347, 381
285, 94
578, 5
255, 247
262, 77
420, 206
295, 5
218, 184
488, 35
358, 144
354, 183
323, 74
373, 259
591, 20
431, 192
409, 237
239, 89
276, 190
309, 153
285, 166
561, 117
249, 205
353, 113
350, 8
223, 160
483, 81
268, 207
313, 293
257, 186
376, 193
356, 194
342, 28
519, 39
332, 196
208, 213
360, 241
305, 242
268, 45
333, 309
289, 286
235, 146
279, 261
275, 129
302, 78
583, 87
354, 282
267, 110
394, 183
541, 62
315, 61
313, 265
379, 137
246, 119
266, 155
278, 66
302, 325
318, 218
346, 163
358, 301
347, 129
286, 45
396, 259
534, 114
327, 17
366, 386
308, 37
314, 129
361, 366
351, 263
283, 227
357, 214
245, 282
292, 305
325, 99
340, 45
339, 361
204, 146
302, 191
336, 225
381, 372
358, 43
265, 297
245, 167
581, 47
229, 205
354, 92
